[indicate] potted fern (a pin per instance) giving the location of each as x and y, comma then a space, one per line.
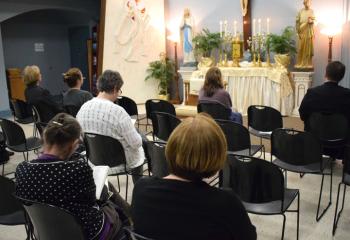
283, 46
204, 43
163, 71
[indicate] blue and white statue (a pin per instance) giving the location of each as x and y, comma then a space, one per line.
186, 36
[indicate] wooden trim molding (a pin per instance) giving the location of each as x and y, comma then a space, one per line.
101, 36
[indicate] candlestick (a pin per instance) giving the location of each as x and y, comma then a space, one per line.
225, 27
254, 27
220, 28
235, 28
268, 25
259, 26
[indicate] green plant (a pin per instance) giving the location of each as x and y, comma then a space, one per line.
205, 42
284, 43
162, 70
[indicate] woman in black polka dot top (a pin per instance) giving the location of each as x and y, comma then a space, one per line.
68, 184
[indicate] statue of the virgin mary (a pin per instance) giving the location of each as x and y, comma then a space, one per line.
186, 28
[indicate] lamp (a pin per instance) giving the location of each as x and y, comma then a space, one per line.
331, 32
175, 39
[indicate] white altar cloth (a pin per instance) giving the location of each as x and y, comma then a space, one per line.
253, 86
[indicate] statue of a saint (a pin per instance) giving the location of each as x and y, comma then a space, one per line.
305, 30
186, 28
244, 6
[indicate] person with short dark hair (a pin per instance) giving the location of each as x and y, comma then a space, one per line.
182, 205
102, 116
74, 96
329, 97
213, 91
56, 178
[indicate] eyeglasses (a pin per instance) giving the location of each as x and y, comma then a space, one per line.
120, 91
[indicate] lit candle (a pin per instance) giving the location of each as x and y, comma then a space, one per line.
254, 27
268, 25
220, 28
235, 28
259, 26
225, 27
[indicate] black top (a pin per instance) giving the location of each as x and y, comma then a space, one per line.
329, 97
66, 184
172, 209
35, 94
76, 97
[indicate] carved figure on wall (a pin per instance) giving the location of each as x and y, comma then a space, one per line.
132, 29
244, 6
305, 31
187, 30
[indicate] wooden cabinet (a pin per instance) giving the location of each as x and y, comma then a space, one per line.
16, 83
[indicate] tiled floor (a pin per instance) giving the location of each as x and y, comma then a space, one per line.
268, 227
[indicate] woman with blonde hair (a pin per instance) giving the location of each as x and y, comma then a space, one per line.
183, 206
213, 91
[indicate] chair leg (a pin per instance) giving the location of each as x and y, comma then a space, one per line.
319, 216
298, 215
118, 183
285, 178
302, 175
283, 226
126, 188
24, 156
336, 214
3, 169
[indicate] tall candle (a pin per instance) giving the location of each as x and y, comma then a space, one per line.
268, 25
220, 28
254, 27
225, 27
235, 28
259, 26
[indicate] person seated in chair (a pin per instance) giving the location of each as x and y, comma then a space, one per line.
182, 205
102, 116
74, 95
213, 90
67, 182
36, 95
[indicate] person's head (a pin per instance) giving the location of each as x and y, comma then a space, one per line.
31, 75
213, 81
73, 78
61, 135
196, 149
110, 83
307, 3
335, 71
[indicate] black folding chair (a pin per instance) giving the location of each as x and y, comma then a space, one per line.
215, 109
11, 211
262, 120
53, 223
238, 139
107, 151
71, 109
130, 107
260, 186
39, 126
158, 165
158, 105
332, 129
45, 111
163, 125
21, 111
16, 140
346, 182
4, 155
300, 152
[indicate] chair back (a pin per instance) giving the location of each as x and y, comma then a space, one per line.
44, 111
21, 109
296, 147
53, 223
263, 118
104, 150
330, 128
237, 136
40, 126
71, 109
128, 104
14, 134
8, 202
158, 163
215, 109
158, 105
253, 180
163, 124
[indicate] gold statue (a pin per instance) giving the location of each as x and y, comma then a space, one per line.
244, 6
305, 30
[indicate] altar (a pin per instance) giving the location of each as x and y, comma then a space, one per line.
249, 86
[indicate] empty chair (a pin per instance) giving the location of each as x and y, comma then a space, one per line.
346, 182
260, 186
158, 164
158, 105
163, 124
130, 107
300, 152
332, 129
53, 223
21, 111
238, 139
215, 109
16, 140
11, 211
262, 120
71, 109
